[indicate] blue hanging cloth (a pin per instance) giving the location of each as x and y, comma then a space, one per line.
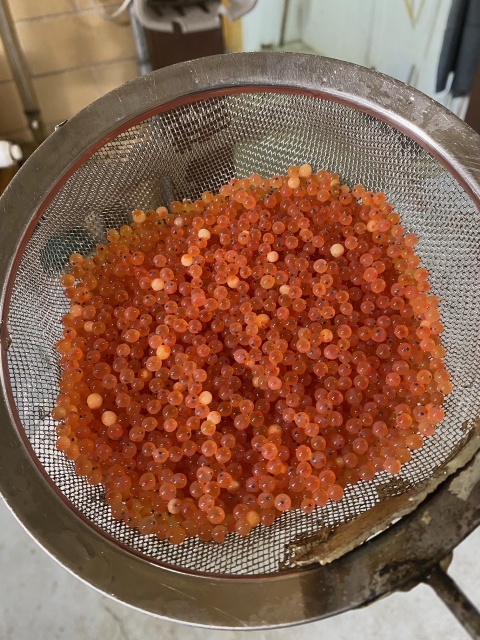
461, 47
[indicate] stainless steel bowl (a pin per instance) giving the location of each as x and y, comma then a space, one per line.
173, 134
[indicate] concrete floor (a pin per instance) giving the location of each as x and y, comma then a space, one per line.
39, 599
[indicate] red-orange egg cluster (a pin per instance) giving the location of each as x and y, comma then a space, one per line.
248, 353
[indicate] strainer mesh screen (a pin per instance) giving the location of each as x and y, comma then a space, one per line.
180, 153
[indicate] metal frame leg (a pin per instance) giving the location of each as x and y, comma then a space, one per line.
458, 603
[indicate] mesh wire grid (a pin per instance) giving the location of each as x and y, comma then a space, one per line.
180, 153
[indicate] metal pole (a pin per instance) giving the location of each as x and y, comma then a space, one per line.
143, 55
283, 31
456, 601
20, 73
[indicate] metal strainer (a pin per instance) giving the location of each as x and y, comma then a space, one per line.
172, 135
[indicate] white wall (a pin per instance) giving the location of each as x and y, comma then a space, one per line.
340, 29
401, 38
381, 34
262, 26
406, 51
384, 35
